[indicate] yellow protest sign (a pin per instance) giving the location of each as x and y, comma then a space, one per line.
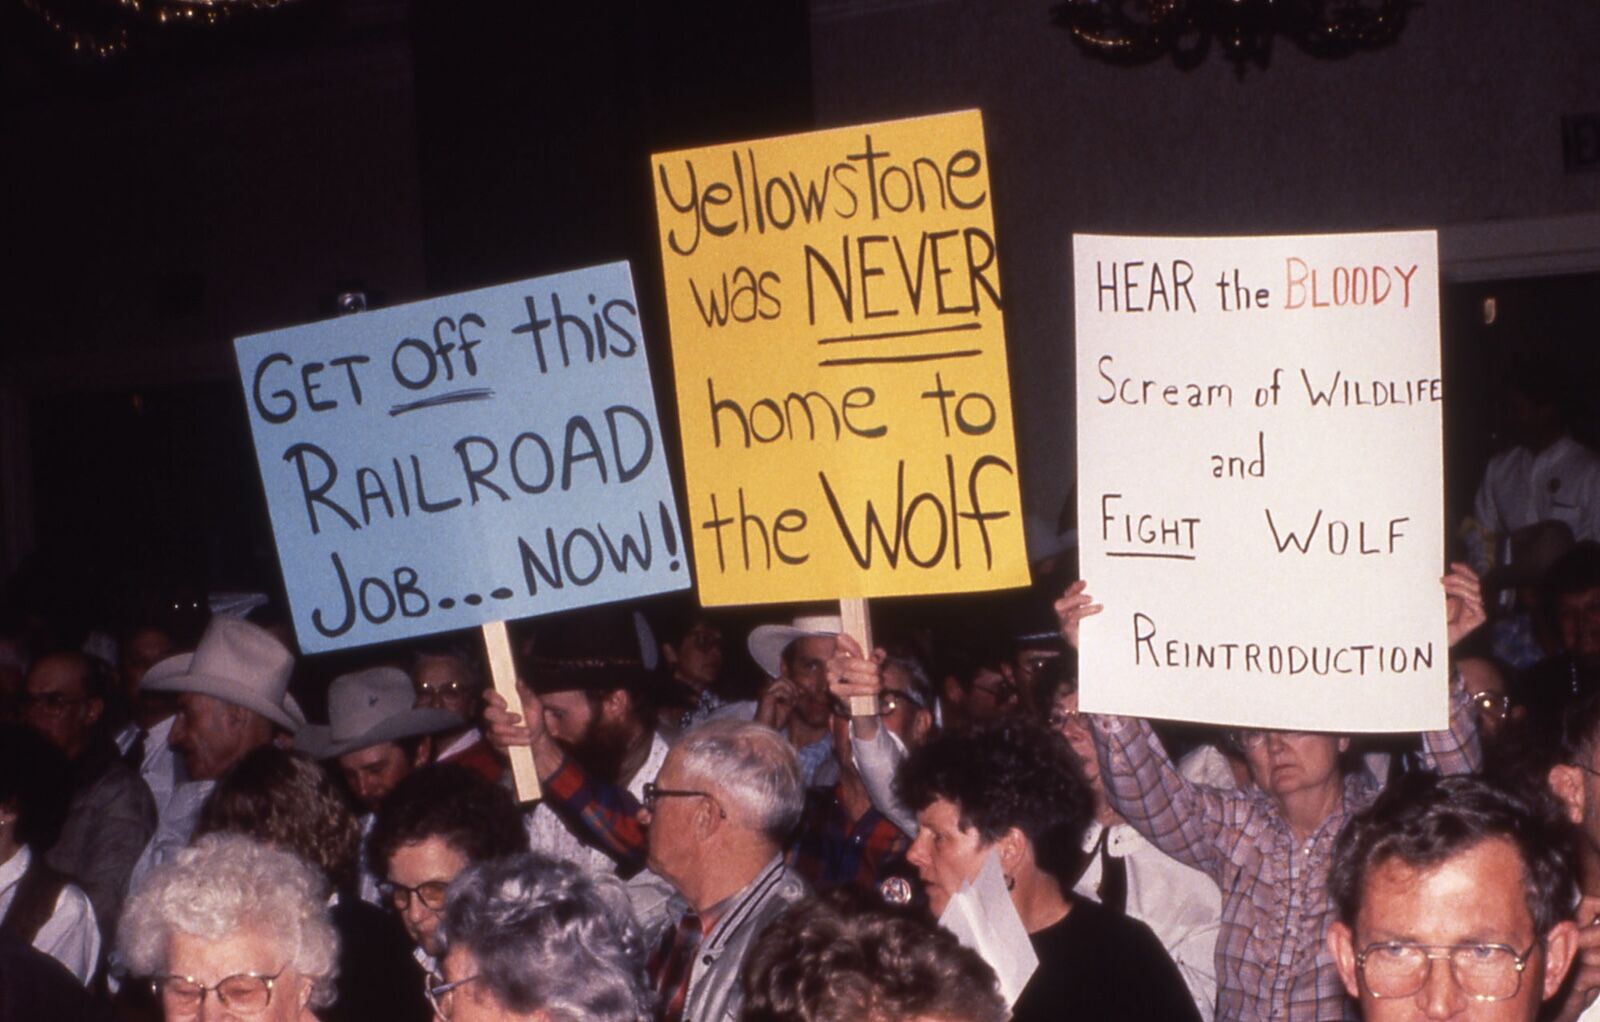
839, 353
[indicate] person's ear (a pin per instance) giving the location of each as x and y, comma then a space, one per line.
921, 724
424, 752
1344, 744
615, 704
1341, 945
1567, 783
1560, 947
669, 655
92, 709
1012, 847
708, 817
953, 692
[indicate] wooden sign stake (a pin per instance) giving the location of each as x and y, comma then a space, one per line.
504, 673
857, 624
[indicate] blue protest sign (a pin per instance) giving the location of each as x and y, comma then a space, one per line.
488, 455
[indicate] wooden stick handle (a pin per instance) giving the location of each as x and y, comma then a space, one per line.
504, 673
857, 624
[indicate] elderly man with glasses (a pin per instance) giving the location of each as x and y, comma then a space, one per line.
718, 814
1454, 897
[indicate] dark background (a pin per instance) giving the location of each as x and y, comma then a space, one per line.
209, 184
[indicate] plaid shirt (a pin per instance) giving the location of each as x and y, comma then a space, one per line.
831, 851
605, 815
1272, 961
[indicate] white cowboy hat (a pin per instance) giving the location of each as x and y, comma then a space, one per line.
369, 708
768, 642
236, 662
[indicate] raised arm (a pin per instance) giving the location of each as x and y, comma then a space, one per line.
1186, 820
605, 815
1457, 749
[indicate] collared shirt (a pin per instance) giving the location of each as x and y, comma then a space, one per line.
1180, 904
470, 750
175, 823
161, 767
605, 840
1561, 483
815, 762
830, 850
1272, 960
71, 935
714, 993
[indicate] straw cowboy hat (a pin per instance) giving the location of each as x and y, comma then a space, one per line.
369, 708
767, 642
236, 662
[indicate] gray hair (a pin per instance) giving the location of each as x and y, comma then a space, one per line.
549, 937
751, 768
225, 883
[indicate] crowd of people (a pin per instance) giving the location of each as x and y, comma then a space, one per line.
179, 841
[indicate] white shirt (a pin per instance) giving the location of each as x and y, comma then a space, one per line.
70, 935
548, 832
366, 879
1561, 482
464, 741
175, 824
1181, 906
160, 766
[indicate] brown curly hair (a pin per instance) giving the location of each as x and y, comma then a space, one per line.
288, 800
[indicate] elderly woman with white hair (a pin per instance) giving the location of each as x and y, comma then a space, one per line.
236, 925
535, 939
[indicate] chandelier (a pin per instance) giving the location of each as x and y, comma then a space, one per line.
1139, 31
102, 29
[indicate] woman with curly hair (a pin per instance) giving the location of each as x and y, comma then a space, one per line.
287, 800
1013, 791
237, 923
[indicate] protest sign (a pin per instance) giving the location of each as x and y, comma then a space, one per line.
839, 355
1260, 504
463, 460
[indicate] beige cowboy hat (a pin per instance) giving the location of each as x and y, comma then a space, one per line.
369, 708
236, 662
767, 642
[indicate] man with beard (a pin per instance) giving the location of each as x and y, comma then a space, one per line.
591, 726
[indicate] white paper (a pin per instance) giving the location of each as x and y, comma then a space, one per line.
1232, 392
983, 917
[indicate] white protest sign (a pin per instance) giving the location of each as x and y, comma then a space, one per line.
464, 460
1260, 482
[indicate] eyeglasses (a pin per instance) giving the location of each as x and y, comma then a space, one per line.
889, 700
1004, 692
704, 640
654, 794
51, 702
246, 993
431, 893
1059, 719
1484, 972
1255, 739
449, 690
1495, 704
441, 995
